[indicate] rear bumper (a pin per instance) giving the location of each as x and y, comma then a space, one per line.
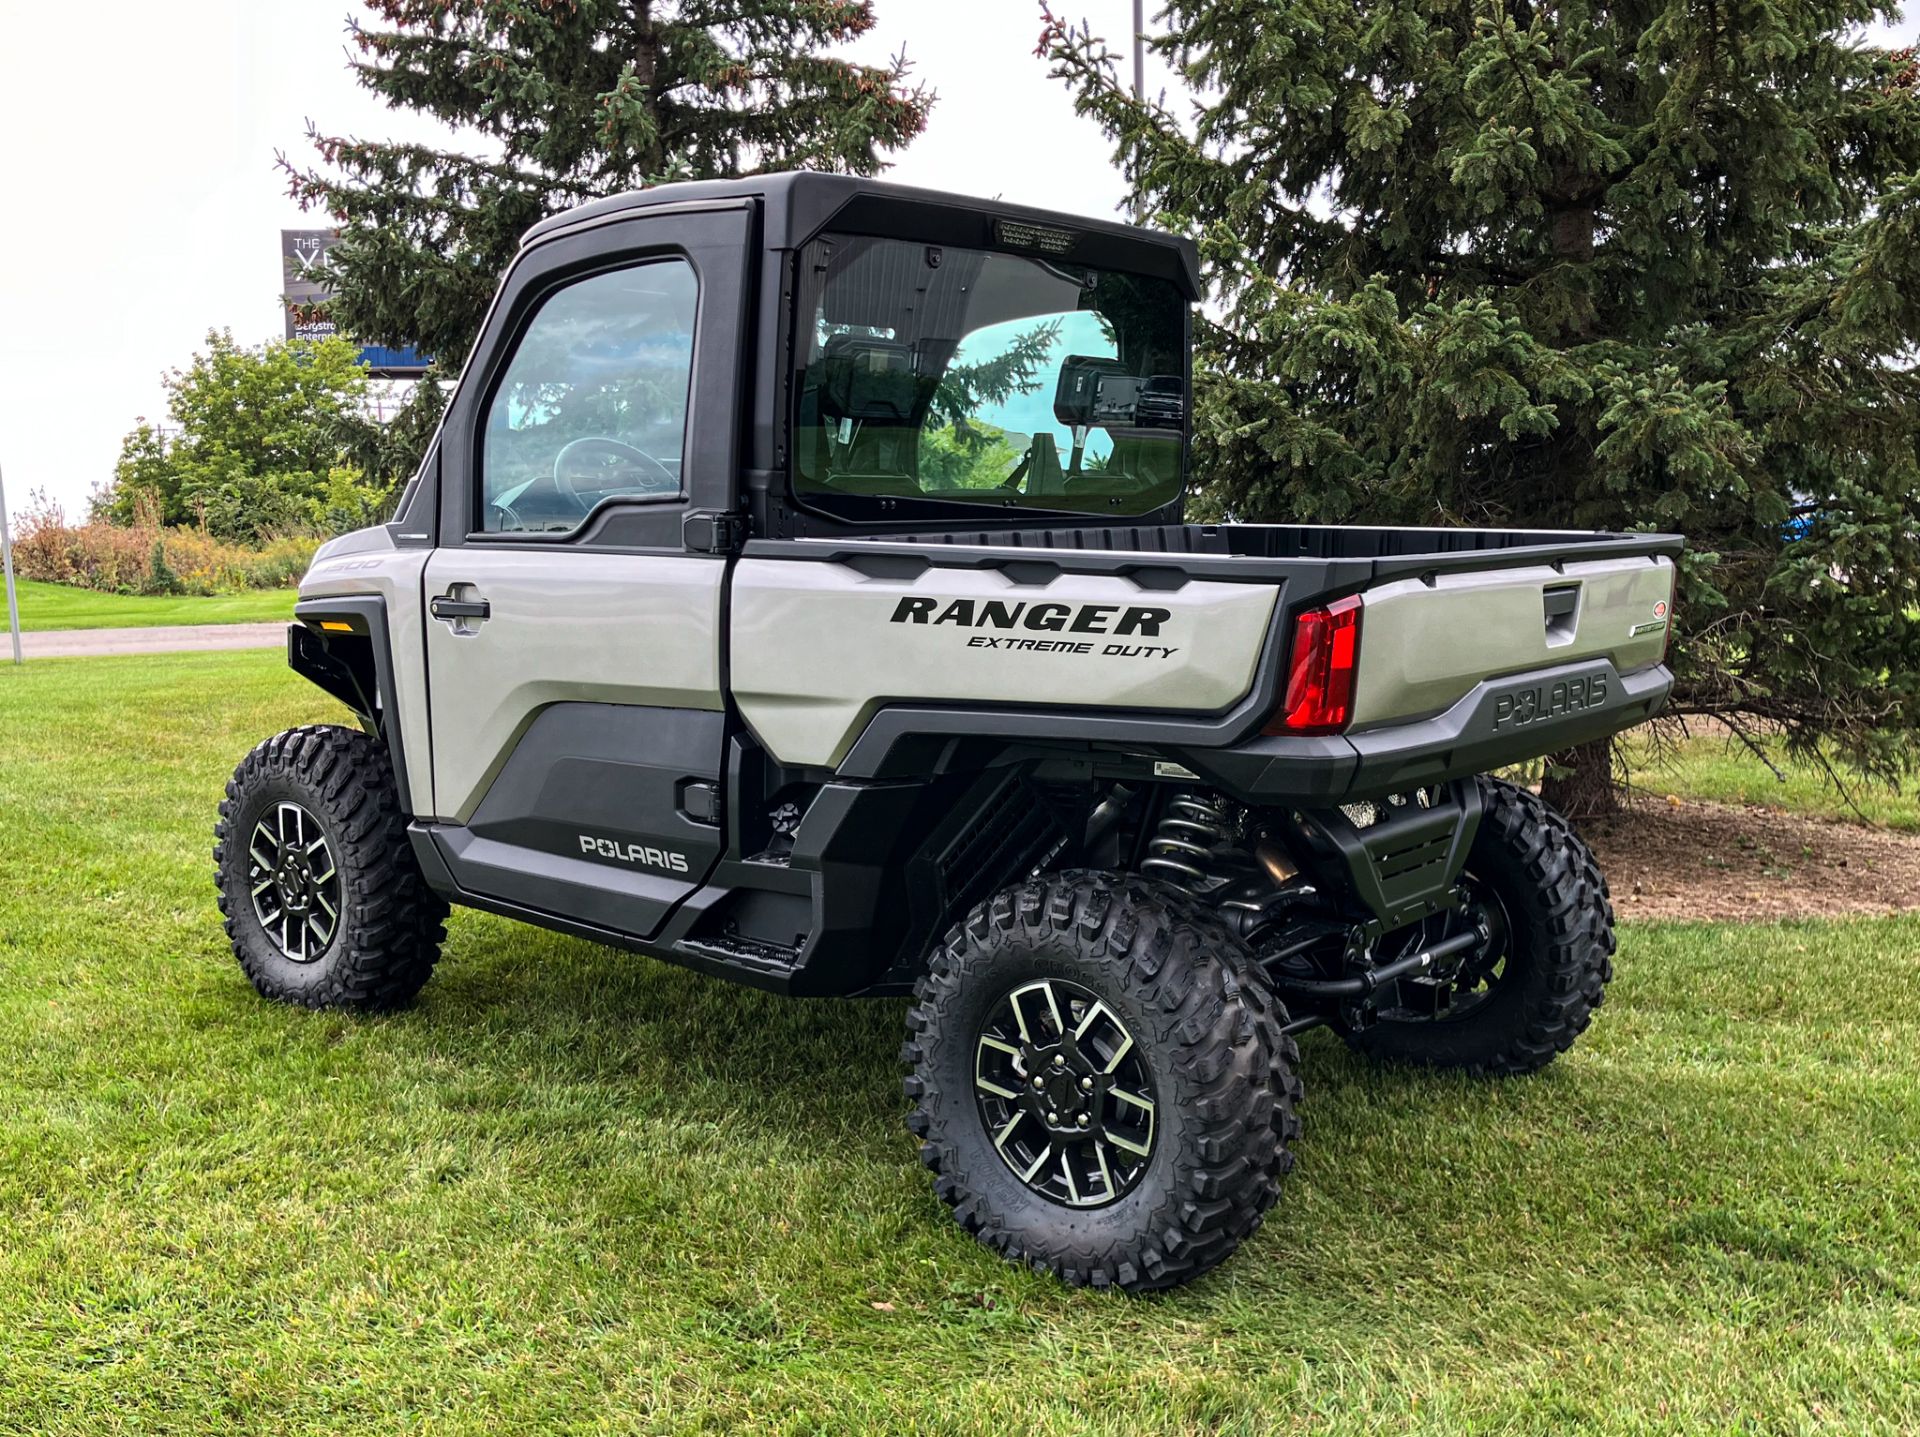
1501, 721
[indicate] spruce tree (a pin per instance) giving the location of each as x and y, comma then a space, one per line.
1653, 264
556, 102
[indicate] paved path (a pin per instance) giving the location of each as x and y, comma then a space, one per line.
161, 639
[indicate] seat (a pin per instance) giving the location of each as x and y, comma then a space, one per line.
1041, 468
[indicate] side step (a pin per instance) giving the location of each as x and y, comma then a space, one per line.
738, 951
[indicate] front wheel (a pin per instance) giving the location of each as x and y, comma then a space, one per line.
325, 905
1100, 1081
1532, 988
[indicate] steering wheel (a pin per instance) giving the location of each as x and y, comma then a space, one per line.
603, 455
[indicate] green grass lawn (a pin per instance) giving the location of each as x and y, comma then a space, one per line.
576, 1191
1724, 770
61, 606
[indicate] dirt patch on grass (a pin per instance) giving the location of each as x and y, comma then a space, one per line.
1683, 859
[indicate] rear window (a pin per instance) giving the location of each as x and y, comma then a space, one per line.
931, 373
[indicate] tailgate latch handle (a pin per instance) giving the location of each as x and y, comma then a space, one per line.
1561, 604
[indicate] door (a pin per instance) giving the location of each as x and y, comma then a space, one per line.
573, 638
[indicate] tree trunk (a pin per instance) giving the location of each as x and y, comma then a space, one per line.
1585, 788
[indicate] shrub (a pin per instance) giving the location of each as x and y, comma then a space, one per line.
146, 558
160, 578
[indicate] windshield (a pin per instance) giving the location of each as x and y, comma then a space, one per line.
969, 376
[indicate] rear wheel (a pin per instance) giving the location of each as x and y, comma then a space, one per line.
1524, 995
1100, 1081
325, 905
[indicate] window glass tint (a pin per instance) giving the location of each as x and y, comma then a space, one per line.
594, 402
985, 378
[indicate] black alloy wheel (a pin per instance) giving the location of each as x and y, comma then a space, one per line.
324, 900
1066, 1093
1473, 978
294, 881
1100, 1080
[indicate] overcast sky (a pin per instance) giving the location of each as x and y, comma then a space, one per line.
143, 207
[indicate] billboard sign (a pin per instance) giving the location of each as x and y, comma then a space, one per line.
307, 301
303, 257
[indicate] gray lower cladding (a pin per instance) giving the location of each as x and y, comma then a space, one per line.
601, 811
1502, 721
606, 823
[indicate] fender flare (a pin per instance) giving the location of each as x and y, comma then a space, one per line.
344, 647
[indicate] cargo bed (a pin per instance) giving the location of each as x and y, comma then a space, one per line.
1479, 647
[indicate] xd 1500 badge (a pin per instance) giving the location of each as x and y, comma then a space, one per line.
1653, 625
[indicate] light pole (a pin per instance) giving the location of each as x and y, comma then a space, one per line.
1140, 50
6, 562
1139, 81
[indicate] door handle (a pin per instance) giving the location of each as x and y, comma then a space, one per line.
459, 612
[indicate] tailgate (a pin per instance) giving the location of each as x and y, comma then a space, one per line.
1426, 643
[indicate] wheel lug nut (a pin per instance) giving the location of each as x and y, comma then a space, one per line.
1086, 1085
1038, 1081
1053, 1117
1059, 1061
1083, 1120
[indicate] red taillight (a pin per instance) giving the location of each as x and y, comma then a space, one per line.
1673, 601
1326, 648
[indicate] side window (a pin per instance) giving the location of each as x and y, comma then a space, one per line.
594, 402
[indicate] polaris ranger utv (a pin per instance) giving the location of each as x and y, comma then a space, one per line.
798, 590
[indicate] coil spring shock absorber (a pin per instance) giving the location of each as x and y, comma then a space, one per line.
1186, 848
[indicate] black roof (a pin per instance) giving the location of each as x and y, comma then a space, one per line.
799, 204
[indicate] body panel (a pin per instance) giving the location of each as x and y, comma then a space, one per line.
818, 647
564, 627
